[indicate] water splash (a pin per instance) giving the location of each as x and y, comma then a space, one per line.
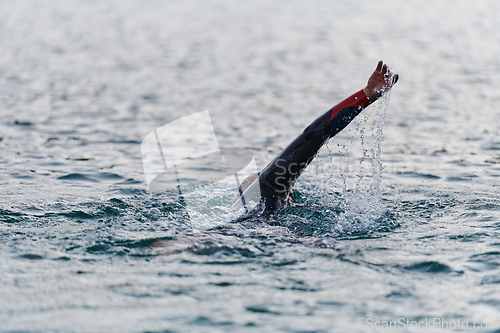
361, 205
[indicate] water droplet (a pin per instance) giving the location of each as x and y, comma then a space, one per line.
154, 212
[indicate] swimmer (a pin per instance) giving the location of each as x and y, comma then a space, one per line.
274, 185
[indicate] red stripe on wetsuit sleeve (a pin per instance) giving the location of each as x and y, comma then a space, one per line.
358, 100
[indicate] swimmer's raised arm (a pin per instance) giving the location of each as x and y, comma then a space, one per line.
278, 177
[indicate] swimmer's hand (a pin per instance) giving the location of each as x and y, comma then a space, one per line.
382, 80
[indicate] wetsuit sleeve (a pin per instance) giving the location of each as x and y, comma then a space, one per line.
279, 175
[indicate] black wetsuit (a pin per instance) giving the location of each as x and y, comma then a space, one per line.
278, 177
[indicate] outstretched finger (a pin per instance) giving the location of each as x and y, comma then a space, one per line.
395, 79
384, 69
379, 66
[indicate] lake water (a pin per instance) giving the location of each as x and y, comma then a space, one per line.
85, 247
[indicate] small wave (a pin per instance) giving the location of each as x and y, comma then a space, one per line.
77, 215
489, 259
261, 309
419, 175
22, 123
108, 176
31, 256
10, 216
429, 267
491, 279
461, 178
78, 177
